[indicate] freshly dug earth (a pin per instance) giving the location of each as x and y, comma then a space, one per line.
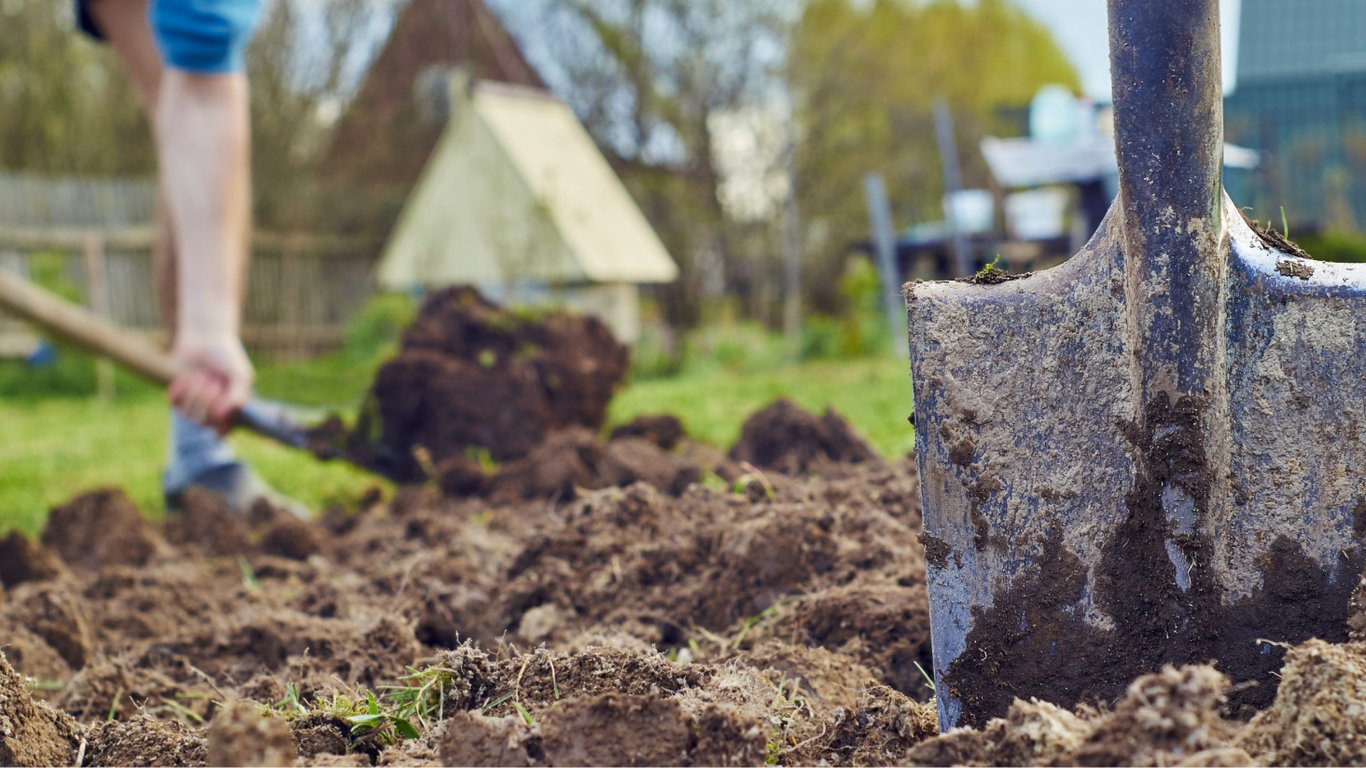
775, 618
473, 379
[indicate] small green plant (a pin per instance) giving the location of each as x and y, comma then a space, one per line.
380, 725
45, 685
248, 575
421, 696
772, 612
753, 475
929, 681
787, 703
291, 705
521, 710
481, 456
990, 270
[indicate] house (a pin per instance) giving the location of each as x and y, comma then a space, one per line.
1300, 99
482, 176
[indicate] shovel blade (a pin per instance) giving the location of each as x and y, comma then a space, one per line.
1066, 554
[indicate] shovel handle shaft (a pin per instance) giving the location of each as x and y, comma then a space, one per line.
1169, 141
86, 329
130, 350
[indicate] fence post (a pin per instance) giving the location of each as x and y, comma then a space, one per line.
97, 294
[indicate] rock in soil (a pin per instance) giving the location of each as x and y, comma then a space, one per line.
31, 732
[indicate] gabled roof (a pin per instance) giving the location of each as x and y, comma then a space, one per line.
1282, 39
383, 139
517, 191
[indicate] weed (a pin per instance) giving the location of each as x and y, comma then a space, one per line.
46, 685
248, 575
291, 705
786, 705
481, 456
713, 481
422, 696
181, 711
521, 710
114, 705
380, 725
753, 475
929, 681
495, 703
772, 612
423, 457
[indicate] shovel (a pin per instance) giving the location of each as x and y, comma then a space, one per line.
94, 333
1156, 452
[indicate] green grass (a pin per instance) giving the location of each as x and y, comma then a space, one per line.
873, 393
57, 448
54, 448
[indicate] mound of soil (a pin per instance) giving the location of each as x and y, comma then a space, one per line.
785, 438
474, 378
680, 620
783, 620
31, 732
570, 461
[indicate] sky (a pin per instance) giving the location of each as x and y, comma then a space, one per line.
1079, 26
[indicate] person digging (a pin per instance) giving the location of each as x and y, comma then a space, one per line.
185, 61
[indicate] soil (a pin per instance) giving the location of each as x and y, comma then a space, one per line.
785, 438
620, 626
472, 379
639, 600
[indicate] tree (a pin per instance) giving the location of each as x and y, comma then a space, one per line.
865, 83
647, 78
67, 109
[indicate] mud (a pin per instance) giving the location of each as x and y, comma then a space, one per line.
472, 379
1011, 645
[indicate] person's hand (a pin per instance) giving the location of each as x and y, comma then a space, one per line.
217, 378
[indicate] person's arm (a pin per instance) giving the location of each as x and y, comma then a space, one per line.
203, 135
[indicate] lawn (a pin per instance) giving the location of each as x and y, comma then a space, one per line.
56, 447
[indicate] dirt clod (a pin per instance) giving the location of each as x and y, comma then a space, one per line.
241, 735
785, 438
472, 377
664, 430
23, 559
98, 529
31, 732
1299, 269
144, 740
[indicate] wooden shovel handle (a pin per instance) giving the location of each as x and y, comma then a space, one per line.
130, 350
86, 329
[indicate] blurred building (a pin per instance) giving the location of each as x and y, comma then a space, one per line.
1300, 99
474, 173
517, 199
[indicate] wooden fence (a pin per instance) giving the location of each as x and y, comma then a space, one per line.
301, 290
